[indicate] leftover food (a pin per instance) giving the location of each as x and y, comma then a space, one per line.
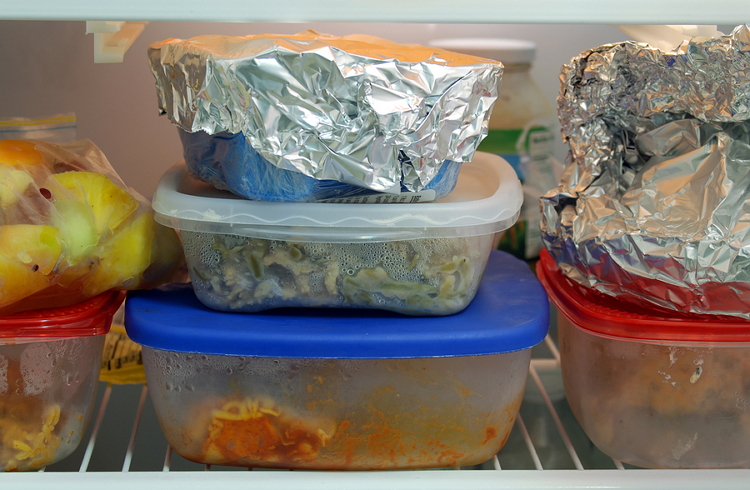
663, 406
261, 432
430, 276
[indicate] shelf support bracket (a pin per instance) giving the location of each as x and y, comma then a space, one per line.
113, 38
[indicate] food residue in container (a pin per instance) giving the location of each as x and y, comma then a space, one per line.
428, 276
261, 432
28, 444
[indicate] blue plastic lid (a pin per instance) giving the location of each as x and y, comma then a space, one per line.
510, 312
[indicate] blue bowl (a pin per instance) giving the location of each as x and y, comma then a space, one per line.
228, 162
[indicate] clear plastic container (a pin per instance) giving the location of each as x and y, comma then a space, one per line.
331, 389
650, 387
49, 371
521, 129
413, 258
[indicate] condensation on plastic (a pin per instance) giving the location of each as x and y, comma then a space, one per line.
653, 199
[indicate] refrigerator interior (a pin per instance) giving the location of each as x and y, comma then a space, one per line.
48, 68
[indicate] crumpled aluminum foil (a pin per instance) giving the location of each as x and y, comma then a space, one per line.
356, 109
654, 203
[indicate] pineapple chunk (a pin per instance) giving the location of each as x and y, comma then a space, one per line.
124, 257
19, 152
13, 183
37, 246
110, 204
28, 253
78, 231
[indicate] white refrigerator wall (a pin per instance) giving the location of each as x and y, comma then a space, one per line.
47, 68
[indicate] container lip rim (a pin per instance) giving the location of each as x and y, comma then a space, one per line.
593, 312
173, 319
85, 319
221, 208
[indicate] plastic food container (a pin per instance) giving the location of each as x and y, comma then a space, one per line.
351, 115
413, 258
339, 388
227, 161
49, 371
653, 388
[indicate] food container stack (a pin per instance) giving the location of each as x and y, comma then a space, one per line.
312, 135
73, 238
341, 389
646, 240
346, 310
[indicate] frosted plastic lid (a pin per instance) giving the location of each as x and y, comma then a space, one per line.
487, 199
507, 51
89, 318
609, 316
509, 313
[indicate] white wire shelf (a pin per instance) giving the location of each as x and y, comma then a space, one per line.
124, 448
438, 11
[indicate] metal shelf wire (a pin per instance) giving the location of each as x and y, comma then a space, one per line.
546, 450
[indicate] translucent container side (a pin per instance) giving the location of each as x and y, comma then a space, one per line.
344, 414
426, 276
486, 200
47, 393
659, 405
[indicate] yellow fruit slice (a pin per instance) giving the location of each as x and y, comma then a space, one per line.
19, 152
110, 204
28, 253
13, 183
37, 246
123, 257
78, 231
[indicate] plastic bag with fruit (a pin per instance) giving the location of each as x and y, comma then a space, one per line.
70, 229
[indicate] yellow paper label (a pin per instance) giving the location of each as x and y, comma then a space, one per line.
121, 360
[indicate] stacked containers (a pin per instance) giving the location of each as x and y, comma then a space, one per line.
649, 233
49, 371
344, 389
333, 388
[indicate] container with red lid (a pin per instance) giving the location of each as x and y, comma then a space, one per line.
49, 370
652, 387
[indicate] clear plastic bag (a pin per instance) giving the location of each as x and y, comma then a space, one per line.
70, 229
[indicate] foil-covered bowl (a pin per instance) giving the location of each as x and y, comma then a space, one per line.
654, 203
355, 109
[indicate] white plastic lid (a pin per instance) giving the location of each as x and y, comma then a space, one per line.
487, 199
507, 51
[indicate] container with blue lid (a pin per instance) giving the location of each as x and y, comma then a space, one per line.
348, 389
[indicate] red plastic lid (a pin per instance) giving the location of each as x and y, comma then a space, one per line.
86, 319
606, 315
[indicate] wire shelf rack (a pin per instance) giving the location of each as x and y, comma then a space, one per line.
547, 449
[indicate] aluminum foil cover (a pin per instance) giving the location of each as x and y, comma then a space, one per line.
356, 109
654, 202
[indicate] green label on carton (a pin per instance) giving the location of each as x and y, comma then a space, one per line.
529, 152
